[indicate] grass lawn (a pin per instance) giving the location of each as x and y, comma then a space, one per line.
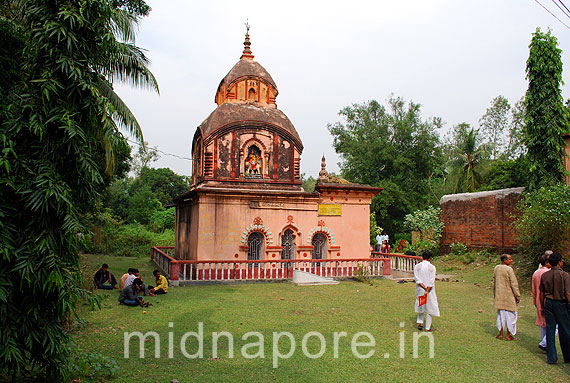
465, 346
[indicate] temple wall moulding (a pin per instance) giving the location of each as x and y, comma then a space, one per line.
323, 229
258, 226
294, 229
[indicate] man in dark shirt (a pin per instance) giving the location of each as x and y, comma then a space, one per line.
555, 295
102, 276
129, 295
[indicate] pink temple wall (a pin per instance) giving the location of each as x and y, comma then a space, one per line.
221, 223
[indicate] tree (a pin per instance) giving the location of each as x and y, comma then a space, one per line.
60, 133
308, 183
468, 157
515, 147
162, 182
429, 226
144, 156
389, 147
546, 119
494, 123
543, 222
504, 174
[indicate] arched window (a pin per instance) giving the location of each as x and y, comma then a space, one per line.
288, 244
255, 244
251, 96
319, 243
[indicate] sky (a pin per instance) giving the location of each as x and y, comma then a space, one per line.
451, 56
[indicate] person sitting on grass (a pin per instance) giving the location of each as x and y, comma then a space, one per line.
129, 295
102, 276
124, 278
134, 275
161, 284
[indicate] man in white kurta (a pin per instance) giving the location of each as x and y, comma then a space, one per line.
424, 275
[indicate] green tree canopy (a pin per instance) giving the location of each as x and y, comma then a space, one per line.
390, 147
162, 182
546, 119
468, 159
495, 124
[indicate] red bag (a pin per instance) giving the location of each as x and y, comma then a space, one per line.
422, 299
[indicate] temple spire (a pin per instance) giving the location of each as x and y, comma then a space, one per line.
247, 55
323, 174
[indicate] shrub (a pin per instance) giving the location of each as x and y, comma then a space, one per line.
399, 236
92, 366
362, 274
421, 246
163, 219
458, 248
543, 222
132, 240
430, 227
426, 222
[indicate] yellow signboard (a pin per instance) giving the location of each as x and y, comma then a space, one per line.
329, 209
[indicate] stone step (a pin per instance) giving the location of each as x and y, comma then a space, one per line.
304, 278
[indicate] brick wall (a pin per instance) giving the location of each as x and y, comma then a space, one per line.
480, 220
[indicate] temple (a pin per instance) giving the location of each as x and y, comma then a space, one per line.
246, 201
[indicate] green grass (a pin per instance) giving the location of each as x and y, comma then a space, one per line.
465, 346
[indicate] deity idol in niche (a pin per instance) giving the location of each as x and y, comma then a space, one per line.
253, 161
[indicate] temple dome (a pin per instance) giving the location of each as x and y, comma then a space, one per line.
228, 116
247, 69
247, 82
246, 141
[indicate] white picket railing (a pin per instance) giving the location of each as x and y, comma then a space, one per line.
402, 262
184, 270
380, 264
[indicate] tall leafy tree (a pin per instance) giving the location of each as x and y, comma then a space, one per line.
515, 147
495, 123
468, 157
546, 119
60, 130
391, 147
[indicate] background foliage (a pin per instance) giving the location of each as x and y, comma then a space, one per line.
544, 222
390, 147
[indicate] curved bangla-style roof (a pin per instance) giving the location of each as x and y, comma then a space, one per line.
247, 69
229, 115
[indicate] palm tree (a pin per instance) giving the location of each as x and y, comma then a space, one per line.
468, 157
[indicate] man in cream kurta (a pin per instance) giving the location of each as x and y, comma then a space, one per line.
424, 275
507, 296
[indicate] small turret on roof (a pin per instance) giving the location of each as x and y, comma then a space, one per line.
323, 174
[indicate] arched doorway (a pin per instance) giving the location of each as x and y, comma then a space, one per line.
319, 243
255, 247
288, 244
